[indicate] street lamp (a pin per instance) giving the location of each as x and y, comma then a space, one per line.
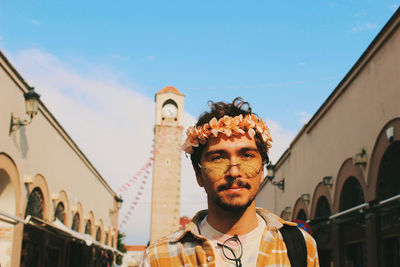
119, 205
271, 175
270, 171
119, 201
31, 108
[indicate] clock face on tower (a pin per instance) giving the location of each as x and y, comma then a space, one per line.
169, 110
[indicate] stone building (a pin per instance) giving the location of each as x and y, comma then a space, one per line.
165, 202
55, 208
341, 173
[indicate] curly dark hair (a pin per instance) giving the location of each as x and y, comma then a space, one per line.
219, 110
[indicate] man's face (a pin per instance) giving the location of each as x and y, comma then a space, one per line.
235, 187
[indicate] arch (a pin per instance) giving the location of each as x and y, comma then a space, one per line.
63, 198
285, 215
89, 224
107, 238
76, 222
170, 101
300, 205
77, 219
98, 234
35, 205
380, 147
388, 184
59, 212
100, 228
38, 181
88, 227
107, 235
301, 215
352, 194
11, 201
9, 171
323, 208
346, 170
320, 191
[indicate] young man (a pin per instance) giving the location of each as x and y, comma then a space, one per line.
229, 148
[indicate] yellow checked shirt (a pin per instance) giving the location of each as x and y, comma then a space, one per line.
187, 248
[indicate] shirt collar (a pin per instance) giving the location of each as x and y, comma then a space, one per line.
272, 221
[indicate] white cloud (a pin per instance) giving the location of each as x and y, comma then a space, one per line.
116, 56
111, 123
364, 27
150, 58
281, 140
304, 117
34, 21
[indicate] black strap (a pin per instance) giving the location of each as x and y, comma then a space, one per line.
295, 244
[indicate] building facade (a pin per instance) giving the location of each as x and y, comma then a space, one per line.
341, 173
55, 208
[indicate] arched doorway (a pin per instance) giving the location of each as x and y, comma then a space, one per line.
353, 224
10, 203
322, 231
32, 244
7, 205
301, 215
388, 187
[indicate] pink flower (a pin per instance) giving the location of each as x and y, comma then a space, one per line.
229, 126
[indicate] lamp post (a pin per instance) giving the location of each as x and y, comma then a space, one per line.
31, 108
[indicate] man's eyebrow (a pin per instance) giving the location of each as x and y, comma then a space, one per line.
216, 151
222, 151
248, 149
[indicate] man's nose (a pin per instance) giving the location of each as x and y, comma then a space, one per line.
234, 167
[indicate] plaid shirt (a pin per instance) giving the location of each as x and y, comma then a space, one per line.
187, 247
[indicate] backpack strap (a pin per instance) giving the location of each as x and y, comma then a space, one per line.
295, 244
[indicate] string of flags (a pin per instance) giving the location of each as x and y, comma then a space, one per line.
138, 182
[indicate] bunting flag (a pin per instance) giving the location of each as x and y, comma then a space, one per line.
139, 180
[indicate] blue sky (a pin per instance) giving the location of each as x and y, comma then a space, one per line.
285, 58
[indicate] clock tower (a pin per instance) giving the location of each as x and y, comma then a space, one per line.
165, 202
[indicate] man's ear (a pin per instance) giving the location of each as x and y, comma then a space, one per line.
262, 175
199, 176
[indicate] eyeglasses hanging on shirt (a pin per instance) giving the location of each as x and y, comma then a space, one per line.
232, 250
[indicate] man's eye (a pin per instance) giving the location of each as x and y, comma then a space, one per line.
216, 158
248, 155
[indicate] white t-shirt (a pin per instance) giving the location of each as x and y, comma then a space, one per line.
250, 243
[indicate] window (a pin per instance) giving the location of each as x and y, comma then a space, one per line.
76, 222
106, 241
389, 172
88, 227
352, 194
98, 234
301, 215
59, 213
35, 204
323, 208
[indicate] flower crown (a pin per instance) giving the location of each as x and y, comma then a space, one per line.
227, 125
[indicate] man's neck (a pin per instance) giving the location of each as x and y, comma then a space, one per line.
232, 222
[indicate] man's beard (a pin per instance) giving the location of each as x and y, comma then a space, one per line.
232, 207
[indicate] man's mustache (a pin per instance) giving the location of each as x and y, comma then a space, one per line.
238, 182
